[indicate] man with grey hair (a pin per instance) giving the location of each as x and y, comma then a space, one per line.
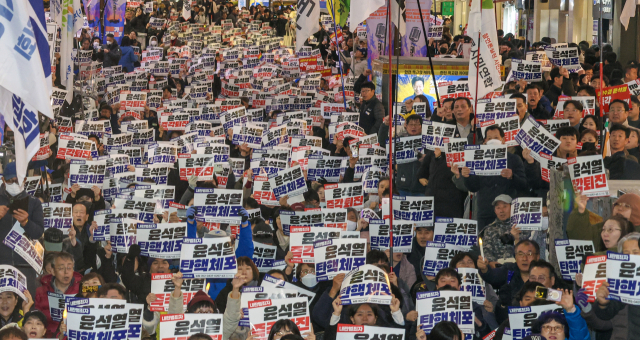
629, 244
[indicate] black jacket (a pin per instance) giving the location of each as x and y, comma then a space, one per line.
371, 115
620, 167
33, 229
489, 187
441, 187
540, 112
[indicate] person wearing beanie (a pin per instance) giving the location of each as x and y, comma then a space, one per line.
200, 303
34, 324
579, 226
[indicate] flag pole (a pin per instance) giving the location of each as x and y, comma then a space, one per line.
426, 43
335, 31
391, 139
600, 99
473, 128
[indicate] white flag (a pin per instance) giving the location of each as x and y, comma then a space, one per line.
55, 11
24, 63
72, 21
362, 9
186, 10
482, 20
628, 12
307, 21
399, 6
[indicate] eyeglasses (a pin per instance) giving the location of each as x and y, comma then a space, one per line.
553, 329
414, 125
618, 110
365, 90
622, 205
522, 255
610, 230
308, 271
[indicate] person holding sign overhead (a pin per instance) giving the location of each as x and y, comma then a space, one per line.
579, 226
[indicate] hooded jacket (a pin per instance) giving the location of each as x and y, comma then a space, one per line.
42, 298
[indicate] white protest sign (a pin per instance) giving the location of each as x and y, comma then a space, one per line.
588, 175
366, 284
445, 305
571, 254
178, 326
438, 255
333, 257
162, 240
413, 209
208, 258
162, 286
402, 235
456, 231
485, 160
472, 282
526, 213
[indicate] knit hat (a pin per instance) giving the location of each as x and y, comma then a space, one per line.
36, 314
200, 297
633, 201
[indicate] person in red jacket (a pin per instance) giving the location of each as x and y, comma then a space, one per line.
63, 281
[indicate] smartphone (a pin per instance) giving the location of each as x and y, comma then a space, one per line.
548, 294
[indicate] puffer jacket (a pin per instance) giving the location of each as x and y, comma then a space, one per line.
42, 298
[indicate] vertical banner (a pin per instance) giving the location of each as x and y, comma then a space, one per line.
114, 19
414, 42
92, 11
376, 34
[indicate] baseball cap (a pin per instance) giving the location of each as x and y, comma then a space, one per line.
502, 198
216, 233
53, 239
363, 51
263, 233
9, 171
36, 314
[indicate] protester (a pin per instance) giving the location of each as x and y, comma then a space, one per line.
159, 173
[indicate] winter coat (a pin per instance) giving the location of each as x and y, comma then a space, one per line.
441, 187
128, 58
42, 298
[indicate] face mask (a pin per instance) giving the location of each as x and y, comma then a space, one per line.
494, 142
351, 226
173, 38
13, 189
154, 43
96, 45
588, 146
309, 280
